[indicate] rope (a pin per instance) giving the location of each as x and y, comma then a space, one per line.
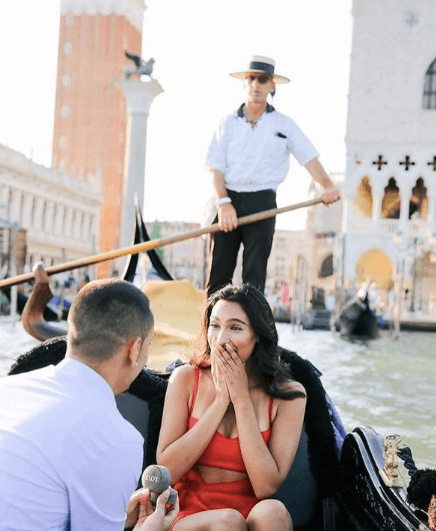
405, 453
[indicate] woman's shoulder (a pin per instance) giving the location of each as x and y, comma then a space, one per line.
186, 373
183, 372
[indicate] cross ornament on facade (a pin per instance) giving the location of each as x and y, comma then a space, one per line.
407, 163
411, 19
432, 163
379, 162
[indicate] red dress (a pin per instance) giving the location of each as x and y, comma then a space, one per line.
196, 495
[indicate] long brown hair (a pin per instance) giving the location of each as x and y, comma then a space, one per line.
265, 358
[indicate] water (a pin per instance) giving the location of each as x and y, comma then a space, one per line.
386, 384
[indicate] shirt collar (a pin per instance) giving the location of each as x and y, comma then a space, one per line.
84, 374
240, 111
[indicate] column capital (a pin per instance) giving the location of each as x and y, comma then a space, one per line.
139, 94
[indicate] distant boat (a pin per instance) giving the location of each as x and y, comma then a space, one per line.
357, 319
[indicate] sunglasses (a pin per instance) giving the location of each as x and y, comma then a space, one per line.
262, 78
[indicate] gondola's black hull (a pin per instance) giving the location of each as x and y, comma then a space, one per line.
357, 319
358, 501
364, 502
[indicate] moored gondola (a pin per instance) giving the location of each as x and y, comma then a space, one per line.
356, 319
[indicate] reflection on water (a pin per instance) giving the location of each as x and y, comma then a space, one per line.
386, 384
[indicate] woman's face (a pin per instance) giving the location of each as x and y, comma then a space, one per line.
229, 323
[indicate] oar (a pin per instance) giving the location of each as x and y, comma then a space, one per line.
153, 244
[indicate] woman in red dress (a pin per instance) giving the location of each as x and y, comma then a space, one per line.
232, 420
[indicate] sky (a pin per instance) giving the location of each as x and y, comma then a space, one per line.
195, 44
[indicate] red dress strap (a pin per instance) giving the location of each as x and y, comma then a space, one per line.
194, 394
271, 402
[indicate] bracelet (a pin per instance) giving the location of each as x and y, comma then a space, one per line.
222, 201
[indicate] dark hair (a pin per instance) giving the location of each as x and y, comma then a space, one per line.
265, 358
106, 314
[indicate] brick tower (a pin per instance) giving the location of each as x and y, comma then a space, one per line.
90, 112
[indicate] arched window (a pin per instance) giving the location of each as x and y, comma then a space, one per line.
429, 97
391, 203
418, 204
363, 199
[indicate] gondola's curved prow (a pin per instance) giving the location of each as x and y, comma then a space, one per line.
33, 315
364, 500
155, 260
41, 321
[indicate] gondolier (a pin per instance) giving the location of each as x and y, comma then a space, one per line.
248, 158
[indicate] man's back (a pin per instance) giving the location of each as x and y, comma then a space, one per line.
68, 460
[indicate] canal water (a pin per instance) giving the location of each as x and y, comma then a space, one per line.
387, 384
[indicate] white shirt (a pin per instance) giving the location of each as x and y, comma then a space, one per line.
68, 459
254, 159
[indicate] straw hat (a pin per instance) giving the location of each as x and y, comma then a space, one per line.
261, 65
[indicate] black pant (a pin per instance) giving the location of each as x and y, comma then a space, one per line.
256, 238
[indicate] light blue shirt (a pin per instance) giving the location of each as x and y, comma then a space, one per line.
68, 459
254, 159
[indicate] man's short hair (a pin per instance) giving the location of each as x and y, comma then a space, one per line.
105, 315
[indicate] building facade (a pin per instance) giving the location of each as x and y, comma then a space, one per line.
389, 222
59, 213
90, 112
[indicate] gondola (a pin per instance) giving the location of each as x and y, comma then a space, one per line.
356, 319
334, 483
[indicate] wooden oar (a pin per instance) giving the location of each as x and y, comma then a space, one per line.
153, 244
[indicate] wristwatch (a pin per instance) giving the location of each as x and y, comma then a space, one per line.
222, 201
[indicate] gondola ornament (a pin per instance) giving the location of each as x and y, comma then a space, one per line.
390, 473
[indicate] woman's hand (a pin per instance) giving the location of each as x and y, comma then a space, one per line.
218, 377
234, 372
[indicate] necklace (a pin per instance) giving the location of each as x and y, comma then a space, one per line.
251, 121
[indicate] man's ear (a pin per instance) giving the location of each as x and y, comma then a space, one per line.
133, 350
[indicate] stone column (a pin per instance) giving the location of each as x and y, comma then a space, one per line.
431, 219
15, 211
404, 210
59, 220
27, 211
139, 96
